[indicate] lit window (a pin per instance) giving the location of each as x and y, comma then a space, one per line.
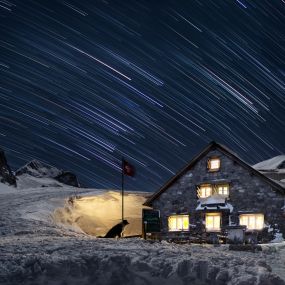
205, 191
214, 164
223, 189
213, 221
178, 223
252, 221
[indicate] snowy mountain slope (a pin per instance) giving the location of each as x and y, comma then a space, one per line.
6, 189
36, 250
26, 181
38, 169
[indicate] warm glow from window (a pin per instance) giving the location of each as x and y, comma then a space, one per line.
252, 221
214, 164
178, 223
223, 189
205, 191
213, 222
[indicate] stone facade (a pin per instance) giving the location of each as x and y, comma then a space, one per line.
248, 193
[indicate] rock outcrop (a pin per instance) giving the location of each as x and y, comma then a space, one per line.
68, 178
6, 175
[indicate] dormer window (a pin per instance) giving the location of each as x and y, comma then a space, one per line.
214, 164
204, 190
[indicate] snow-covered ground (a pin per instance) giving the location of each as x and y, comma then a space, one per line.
36, 249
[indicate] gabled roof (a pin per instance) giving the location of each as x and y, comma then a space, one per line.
211, 146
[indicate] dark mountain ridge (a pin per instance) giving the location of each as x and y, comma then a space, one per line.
35, 168
6, 175
40, 169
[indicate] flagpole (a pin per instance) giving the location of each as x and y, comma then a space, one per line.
122, 189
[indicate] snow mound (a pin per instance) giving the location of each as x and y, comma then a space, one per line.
96, 214
278, 238
275, 163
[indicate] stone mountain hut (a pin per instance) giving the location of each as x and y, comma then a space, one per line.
217, 192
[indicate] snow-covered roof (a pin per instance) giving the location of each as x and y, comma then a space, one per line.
281, 182
214, 202
274, 163
226, 206
213, 199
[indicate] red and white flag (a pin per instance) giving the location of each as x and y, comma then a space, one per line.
128, 169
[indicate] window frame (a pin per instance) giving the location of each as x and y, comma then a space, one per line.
178, 216
209, 164
204, 185
255, 215
222, 185
213, 215
214, 189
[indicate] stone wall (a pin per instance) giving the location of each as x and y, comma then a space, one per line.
248, 193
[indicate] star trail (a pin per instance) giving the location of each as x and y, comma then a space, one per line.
85, 83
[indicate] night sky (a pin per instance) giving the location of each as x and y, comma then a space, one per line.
83, 83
